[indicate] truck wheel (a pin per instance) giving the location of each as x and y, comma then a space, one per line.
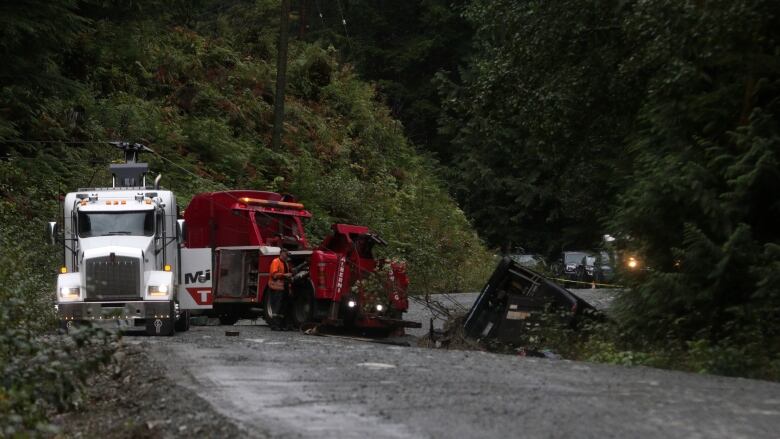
303, 308
266, 307
183, 324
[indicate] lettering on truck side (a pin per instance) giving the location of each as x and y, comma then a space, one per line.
191, 278
201, 295
340, 277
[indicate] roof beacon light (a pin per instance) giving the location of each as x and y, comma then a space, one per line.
270, 203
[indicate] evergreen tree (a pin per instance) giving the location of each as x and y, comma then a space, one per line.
703, 204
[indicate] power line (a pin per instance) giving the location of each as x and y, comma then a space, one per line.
187, 171
108, 142
64, 142
215, 184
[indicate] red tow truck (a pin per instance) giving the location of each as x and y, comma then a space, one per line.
231, 237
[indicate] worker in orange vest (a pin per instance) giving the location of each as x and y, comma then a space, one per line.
278, 287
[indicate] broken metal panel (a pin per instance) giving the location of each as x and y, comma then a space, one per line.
512, 298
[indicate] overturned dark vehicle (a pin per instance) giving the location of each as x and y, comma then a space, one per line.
515, 299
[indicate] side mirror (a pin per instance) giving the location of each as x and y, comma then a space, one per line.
181, 231
52, 232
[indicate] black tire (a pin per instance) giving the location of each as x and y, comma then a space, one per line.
303, 308
266, 306
183, 324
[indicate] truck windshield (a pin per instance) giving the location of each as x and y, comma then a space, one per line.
116, 223
273, 226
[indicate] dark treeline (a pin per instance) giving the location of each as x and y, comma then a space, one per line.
653, 121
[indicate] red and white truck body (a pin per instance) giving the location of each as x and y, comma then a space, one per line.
231, 237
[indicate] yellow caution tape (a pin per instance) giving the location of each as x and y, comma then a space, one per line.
586, 283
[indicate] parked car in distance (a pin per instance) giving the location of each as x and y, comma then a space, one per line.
602, 267
572, 265
586, 266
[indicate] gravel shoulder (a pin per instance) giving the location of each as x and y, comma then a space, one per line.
136, 398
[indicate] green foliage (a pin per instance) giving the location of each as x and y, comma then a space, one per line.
31, 39
400, 46
40, 373
702, 208
655, 121
537, 121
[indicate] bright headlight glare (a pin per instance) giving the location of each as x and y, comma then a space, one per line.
158, 290
351, 304
380, 307
69, 292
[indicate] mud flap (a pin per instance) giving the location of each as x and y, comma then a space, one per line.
157, 326
164, 327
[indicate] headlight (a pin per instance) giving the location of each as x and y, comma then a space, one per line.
632, 263
158, 290
380, 308
351, 303
70, 293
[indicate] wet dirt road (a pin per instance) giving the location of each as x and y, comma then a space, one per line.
284, 384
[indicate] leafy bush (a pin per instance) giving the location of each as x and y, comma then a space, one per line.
41, 373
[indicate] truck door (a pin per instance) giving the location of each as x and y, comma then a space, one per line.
195, 290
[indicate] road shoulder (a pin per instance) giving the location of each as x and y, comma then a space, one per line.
135, 398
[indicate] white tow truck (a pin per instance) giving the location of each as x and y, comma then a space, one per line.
120, 251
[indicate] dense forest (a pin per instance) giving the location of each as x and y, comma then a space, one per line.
449, 126
653, 121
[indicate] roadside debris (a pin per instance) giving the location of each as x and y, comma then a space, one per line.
515, 307
513, 301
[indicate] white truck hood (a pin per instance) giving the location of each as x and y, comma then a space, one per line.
143, 243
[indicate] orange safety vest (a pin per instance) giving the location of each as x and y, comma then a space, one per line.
276, 274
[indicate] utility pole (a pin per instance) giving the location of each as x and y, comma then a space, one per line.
281, 76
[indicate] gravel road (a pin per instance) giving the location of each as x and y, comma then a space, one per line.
284, 384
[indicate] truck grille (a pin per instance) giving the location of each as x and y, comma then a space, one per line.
112, 278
